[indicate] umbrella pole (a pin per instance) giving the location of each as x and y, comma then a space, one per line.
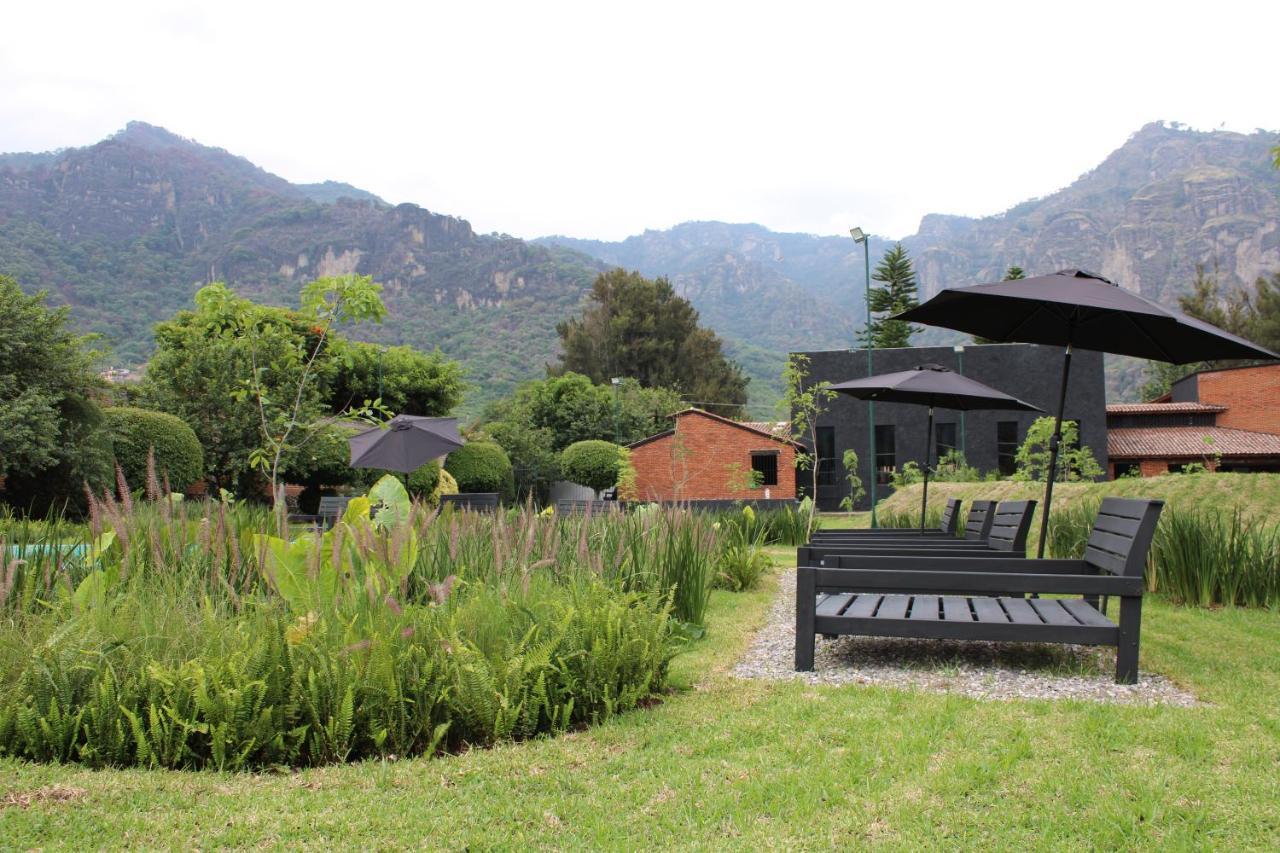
1054, 444
928, 441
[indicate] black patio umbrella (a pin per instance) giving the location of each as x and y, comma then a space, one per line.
1073, 308
405, 443
930, 385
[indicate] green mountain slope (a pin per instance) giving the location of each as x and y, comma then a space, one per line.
125, 231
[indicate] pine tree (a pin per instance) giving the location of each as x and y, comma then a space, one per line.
898, 293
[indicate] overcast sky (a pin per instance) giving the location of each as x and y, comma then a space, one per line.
602, 119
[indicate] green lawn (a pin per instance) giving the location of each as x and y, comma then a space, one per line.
727, 764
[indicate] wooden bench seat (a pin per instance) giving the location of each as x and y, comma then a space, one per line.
941, 596
955, 617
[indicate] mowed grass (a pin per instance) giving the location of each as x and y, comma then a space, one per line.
729, 764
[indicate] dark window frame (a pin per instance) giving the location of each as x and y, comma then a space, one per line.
941, 447
769, 470
886, 453
825, 456
1007, 449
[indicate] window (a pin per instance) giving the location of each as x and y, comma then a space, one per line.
826, 453
765, 464
1126, 469
946, 440
886, 454
1006, 446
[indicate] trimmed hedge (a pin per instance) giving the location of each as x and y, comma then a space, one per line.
482, 466
178, 454
422, 482
593, 463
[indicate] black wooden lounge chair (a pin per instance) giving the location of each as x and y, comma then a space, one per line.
983, 599
474, 501
999, 533
947, 527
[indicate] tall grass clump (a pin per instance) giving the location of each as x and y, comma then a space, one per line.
1069, 528
1203, 557
909, 518
164, 634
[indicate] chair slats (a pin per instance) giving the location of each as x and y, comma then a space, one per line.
864, 606
832, 605
893, 607
1020, 612
1051, 611
925, 607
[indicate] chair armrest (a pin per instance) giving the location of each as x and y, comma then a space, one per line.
987, 583
987, 562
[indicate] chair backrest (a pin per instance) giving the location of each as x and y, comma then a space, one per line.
951, 516
332, 506
981, 516
1122, 535
477, 501
1010, 524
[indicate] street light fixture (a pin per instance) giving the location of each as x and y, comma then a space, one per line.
617, 410
860, 236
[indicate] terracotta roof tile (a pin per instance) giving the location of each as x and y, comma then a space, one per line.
1161, 408
1162, 442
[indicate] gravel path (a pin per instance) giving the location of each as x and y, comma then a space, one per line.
979, 669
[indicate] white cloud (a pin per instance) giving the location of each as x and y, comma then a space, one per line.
600, 120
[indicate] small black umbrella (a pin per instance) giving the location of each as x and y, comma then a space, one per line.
930, 385
1074, 308
405, 443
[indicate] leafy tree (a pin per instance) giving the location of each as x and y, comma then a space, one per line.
51, 436
639, 328
1014, 273
594, 464
283, 422
138, 433
208, 348
1250, 313
1074, 462
406, 380
481, 466
898, 293
535, 464
850, 461
805, 403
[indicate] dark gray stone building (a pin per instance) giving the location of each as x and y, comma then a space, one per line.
988, 439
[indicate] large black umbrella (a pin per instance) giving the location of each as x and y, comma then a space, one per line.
405, 443
1075, 308
930, 385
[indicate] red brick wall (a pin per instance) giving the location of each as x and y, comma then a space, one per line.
695, 463
1251, 395
1153, 467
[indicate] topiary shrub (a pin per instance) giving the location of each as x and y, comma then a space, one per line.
594, 464
482, 466
178, 454
423, 482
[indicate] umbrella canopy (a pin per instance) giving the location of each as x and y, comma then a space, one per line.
405, 443
931, 385
1074, 308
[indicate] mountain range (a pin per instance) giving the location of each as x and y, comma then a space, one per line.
125, 231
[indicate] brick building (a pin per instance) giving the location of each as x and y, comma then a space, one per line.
1226, 420
708, 457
